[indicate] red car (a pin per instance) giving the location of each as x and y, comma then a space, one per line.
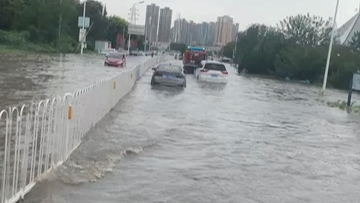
115, 59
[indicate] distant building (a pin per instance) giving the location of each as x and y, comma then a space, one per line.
198, 38
189, 32
165, 24
211, 40
184, 32
236, 30
204, 33
224, 30
151, 22
176, 34
347, 31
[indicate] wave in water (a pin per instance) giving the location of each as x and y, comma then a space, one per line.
77, 171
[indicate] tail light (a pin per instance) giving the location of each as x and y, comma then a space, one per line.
204, 70
224, 72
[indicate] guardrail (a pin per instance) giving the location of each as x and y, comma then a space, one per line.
40, 136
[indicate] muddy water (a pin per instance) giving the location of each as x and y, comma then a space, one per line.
253, 140
33, 77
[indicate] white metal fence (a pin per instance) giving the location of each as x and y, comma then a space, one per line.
39, 137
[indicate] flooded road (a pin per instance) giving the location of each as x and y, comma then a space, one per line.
253, 140
27, 78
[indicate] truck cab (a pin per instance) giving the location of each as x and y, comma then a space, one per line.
192, 59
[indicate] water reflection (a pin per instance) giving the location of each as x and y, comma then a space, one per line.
212, 87
27, 77
208, 142
167, 90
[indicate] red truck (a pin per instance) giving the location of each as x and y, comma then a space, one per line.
192, 59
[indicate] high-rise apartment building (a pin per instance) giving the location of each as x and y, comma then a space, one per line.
224, 30
165, 24
184, 35
212, 34
189, 32
151, 22
197, 34
176, 37
236, 30
205, 33
191, 35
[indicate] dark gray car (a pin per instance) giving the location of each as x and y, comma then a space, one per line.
168, 75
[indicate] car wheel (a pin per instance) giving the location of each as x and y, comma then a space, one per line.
152, 82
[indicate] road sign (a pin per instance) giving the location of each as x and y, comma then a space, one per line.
82, 35
136, 29
87, 21
356, 81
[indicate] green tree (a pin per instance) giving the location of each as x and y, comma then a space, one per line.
181, 47
228, 49
344, 62
99, 22
117, 26
306, 29
257, 47
355, 41
6, 14
301, 63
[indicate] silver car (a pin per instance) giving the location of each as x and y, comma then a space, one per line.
169, 75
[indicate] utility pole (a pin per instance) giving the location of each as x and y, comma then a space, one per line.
234, 51
83, 28
123, 41
133, 16
330, 49
103, 10
60, 21
146, 31
191, 39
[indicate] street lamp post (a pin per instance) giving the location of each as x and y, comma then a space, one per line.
133, 20
82, 30
234, 51
330, 49
146, 31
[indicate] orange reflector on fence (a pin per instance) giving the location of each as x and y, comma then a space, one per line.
70, 116
114, 85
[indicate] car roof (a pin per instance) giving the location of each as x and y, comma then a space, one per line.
115, 54
210, 62
169, 67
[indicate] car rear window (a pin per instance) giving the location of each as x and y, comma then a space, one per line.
215, 66
170, 68
115, 56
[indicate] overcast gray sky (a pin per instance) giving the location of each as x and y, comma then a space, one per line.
245, 12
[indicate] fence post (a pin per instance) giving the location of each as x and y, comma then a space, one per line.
67, 117
3, 189
50, 133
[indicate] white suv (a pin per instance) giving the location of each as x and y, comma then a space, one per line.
212, 71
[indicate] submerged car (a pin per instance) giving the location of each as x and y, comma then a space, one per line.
168, 75
114, 59
212, 71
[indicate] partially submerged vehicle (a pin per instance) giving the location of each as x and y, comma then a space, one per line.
192, 59
168, 75
115, 59
212, 71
